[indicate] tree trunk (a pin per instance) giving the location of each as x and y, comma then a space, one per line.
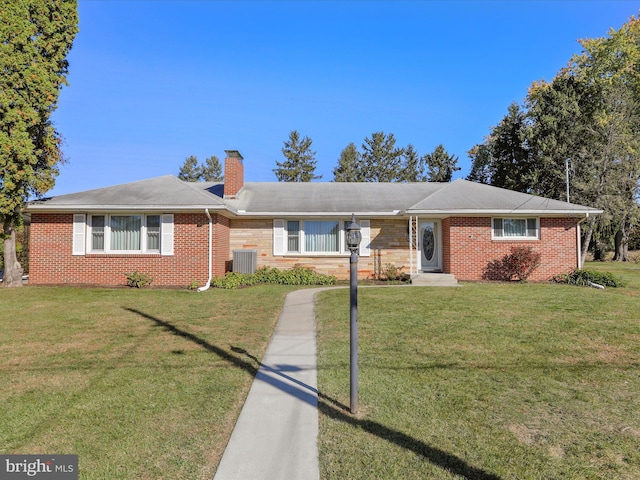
622, 244
586, 240
12, 268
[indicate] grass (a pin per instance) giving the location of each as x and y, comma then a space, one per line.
486, 381
143, 384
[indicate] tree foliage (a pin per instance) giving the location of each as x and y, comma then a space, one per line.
300, 161
589, 114
36, 36
440, 165
381, 159
349, 165
193, 171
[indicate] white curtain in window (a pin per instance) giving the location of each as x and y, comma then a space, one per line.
125, 232
514, 227
321, 236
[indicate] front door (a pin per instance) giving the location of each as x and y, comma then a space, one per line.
429, 238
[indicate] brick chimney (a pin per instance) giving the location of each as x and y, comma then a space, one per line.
233, 173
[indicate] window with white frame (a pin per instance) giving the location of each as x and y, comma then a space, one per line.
137, 233
516, 228
315, 237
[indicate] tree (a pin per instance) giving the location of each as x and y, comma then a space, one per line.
589, 113
381, 160
211, 171
349, 167
36, 36
300, 163
441, 165
503, 160
412, 166
190, 170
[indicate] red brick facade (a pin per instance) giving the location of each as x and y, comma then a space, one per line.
52, 262
467, 248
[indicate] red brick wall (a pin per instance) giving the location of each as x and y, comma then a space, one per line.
468, 247
233, 176
51, 261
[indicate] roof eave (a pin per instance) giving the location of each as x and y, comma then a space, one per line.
121, 208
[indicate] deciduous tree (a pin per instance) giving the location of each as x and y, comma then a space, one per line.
35, 38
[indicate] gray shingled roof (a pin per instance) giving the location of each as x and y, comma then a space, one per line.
331, 197
160, 193
315, 198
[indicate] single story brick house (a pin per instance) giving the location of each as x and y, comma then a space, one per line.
180, 232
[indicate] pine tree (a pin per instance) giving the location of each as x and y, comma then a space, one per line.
381, 160
211, 171
300, 163
441, 165
190, 170
349, 165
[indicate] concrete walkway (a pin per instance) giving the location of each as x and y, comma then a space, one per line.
276, 436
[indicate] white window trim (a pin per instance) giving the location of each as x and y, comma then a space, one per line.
515, 238
166, 234
280, 238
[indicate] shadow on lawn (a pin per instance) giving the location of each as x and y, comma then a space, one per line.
331, 407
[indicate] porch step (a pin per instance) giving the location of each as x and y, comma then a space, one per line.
434, 280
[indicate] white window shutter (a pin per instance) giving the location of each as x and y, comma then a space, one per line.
166, 245
79, 233
365, 243
278, 236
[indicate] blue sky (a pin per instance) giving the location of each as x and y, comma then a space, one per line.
152, 82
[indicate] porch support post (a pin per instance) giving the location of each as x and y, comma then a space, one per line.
410, 244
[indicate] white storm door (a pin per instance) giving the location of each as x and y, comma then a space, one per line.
430, 246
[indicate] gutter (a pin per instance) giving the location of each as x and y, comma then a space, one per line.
206, 287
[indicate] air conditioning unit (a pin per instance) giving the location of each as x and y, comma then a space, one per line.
245, 261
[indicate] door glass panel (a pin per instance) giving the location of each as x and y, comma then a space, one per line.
428, 243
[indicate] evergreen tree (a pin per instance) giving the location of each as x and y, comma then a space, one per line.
441, 165
412, 166
36, 36
190, 171
381, 160
300, 163
349, 165
211, 171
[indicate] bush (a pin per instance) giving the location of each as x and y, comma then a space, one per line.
138, 280
587, 277
518, 265
298, 275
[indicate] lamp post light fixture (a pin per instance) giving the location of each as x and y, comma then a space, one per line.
354, 236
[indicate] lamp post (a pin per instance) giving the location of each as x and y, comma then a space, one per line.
353, 243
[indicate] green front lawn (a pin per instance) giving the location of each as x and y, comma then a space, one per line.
485, 381
140, 384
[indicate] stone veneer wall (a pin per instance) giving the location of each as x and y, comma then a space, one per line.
388, 245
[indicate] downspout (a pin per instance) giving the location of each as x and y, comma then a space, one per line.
579, 240
206, 287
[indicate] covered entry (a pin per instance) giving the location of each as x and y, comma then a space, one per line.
426, 245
